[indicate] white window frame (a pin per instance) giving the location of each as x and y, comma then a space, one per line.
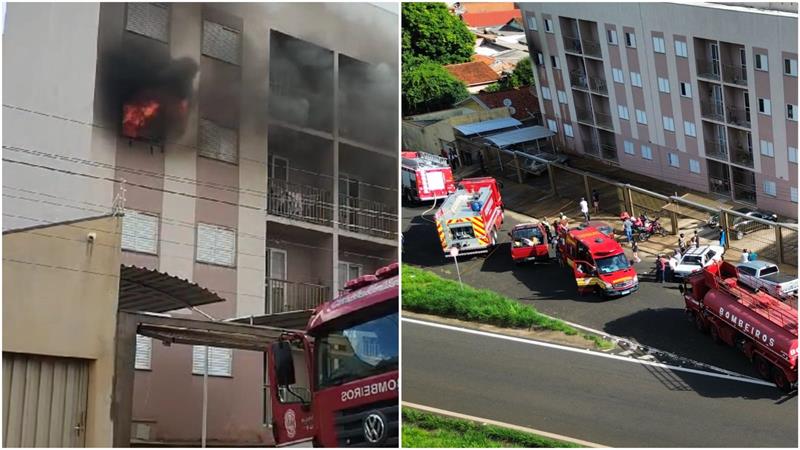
792, 154
548, 26
628, 147
217, 357
272, 167
641, 117
562, 96
540, 58
770, 188
344, 271
686, 89
622, 112
681, 49
630, 39
792, 67
658, 45
669, 123
694, 166
555, 62
761, 62
767, 148
532, 23
791, 112
611, 37
663, 85
689, 128
568, 131
144, 353
618, 75
215, 254
137, 239
546, 93
793, 194
647, 154
673, 160
636, 79
552, 125
765, 106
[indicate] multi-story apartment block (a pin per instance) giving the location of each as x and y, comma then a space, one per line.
701, 95
253, 147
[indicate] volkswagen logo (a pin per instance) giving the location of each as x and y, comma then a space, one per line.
374, 428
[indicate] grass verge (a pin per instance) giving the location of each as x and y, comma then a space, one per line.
428, 293
425, 430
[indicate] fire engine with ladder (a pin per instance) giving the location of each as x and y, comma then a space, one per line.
426, 177
470, 217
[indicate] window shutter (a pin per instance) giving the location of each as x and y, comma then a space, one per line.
144, 347
221, 42
225, 247
140, 232
205, 243
218, 142
216, 245
149, 19
219, 361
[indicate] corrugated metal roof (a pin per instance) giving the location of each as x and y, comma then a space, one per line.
142, 289
294, 320
470, 129
520, 135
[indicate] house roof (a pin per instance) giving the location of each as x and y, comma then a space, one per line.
483, 58
143, 289
490, 19
522, 100
519, 136
473, 73
469, 129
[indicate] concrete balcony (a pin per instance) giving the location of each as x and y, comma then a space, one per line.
598, 85
735, 74
708, 69
741, 155
572, 44
579, 80
367, 217
299, 202
285, 296
737, 116
604, 120
717, 150
712, 110
591, 48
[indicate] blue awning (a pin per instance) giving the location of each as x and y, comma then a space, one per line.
520, 135
470, 129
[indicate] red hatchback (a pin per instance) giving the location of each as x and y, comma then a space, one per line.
529, 242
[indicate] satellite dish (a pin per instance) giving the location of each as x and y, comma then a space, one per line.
512, 110
506, 102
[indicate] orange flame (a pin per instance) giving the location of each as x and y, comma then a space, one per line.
136, 115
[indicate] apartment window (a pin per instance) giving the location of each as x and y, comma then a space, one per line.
617, 75
641, 117
669, 124
791, 112
689, 129
647, 152
694, 166
221, 42
663, 85
548, 25
793, 155
216, 245
793, 194
219, 361
348, 271
636, 79
790, 67
546, 93
539, 59
769, 188
140, 232
532, 23
681, 49
552, 125
628, 145
144, 350
686, 90
612, 37
673, 160
761, 62
568, 130
623, 112
658, 45
765, 106
630, 40
554, 62
218, 142
148, 19
767, 148
562, 97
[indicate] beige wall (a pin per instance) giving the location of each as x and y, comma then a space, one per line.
60, 299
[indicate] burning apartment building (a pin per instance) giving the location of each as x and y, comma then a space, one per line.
252, 148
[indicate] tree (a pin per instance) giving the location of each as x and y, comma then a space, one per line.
522, 75
429, 87
431, 32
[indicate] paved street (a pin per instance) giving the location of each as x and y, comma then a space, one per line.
611, 402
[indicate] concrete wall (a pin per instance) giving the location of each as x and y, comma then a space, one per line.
60, 299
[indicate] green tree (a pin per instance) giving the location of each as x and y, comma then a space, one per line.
522, 75
431, 32
429, 87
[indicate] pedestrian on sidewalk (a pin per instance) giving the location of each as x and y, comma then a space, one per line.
584, 209
696, 239
722, 237
681, 243
660, 265
596, 201
628, 226
745, 256
635, 249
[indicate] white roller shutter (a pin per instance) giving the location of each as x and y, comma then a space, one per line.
218, 142
216, 245
149, 19
140, 232
144, 348
219, 361
221, 42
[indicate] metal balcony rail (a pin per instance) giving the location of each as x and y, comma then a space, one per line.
598, 85
579, 79
603, 120
719, 185
591, 48
717, 149
742, 155
609, 151
712, 110
367, 217
285, 296
584, 115
707, 69
744, 192
737, 116
300, 202
735, 73
591, 147
572, 44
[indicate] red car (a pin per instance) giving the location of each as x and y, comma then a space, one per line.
529, 242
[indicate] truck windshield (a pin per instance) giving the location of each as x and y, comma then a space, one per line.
529, 234
358, 351
691, 261
613, 263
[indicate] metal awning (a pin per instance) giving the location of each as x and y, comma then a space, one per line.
520, 135
142, 289
471, 129
296, 320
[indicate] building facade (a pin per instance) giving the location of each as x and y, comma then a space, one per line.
704, 96
252, 146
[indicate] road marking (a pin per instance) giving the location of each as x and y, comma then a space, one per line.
496, 423
740, 378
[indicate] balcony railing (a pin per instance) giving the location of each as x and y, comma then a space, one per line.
598, 85
609, 151
284, 296
591, 48
584, 115
572, 44
737, 116
736, 74
708, 69
367, 217
719, 186
744, 192
603, 120
712, 110
717, 150
591, 147
300, 202
741, 155
578, 79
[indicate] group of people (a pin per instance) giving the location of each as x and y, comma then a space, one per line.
747, 255
693, 242
665, 267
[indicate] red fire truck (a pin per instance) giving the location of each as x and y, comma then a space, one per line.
598, 262
349, 355
529, 242
761, 326
470, 217
426, 177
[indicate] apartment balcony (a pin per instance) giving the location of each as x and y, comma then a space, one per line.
717, 150
719, 186
741, 155
591, 48
604, 120
608, 151
572, 44
367, 217
591, 147
584, 115
735, 74
737, 116
299, 202
598, 85
708, 69
712, 110
579, 80
285, 296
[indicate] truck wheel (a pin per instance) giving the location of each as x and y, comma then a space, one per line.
715, 334
779, 378
699, 323
762, 367
494, 237
643, 237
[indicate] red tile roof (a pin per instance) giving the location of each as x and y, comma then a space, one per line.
483, 58
522, 100
490, 19
473, 73
480, 7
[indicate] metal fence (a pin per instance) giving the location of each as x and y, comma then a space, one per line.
285, 296
301, 202
367, 217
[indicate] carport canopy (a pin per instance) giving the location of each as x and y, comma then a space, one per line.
471, 129
519, 136
148, 290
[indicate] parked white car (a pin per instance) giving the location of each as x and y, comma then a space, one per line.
695, 259
766, 276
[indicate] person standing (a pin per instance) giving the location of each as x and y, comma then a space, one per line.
596, 201
745, 256
681, 243
635, 250
752, 256
674, 260
696, 239
584, 209
628, 226
722, 237
660, 269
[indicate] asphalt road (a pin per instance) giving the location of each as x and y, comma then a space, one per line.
610, 402
653, 316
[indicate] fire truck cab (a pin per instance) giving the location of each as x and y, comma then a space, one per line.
425, 177
529, 242
471, 217
598, 263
